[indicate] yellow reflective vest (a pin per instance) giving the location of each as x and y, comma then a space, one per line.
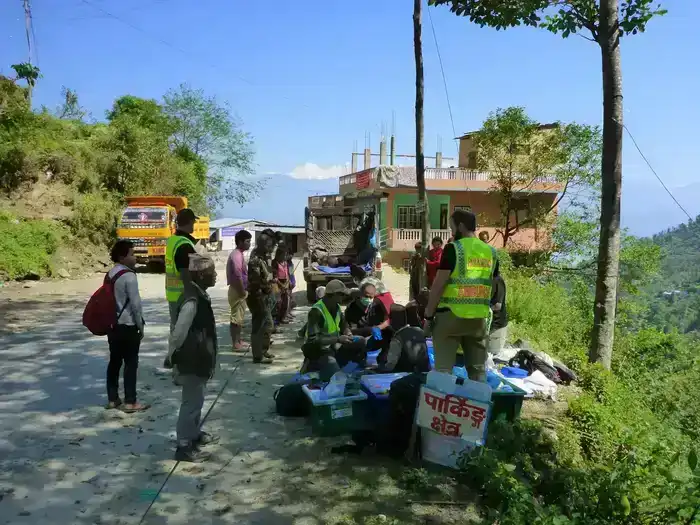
331, 326
173, 283
468, 292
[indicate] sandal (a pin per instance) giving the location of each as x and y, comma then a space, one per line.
113, 404
135, 407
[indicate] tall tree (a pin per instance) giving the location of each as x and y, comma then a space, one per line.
420, 153
605, 21
209, 129
70, 109
523, 155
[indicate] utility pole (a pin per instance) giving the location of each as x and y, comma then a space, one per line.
423, 211
28, 27
28, 30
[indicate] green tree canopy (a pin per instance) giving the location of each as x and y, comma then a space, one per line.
522, 155
208, 128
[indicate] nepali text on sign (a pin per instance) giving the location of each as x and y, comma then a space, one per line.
451, 415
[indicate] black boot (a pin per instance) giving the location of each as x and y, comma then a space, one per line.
191, 454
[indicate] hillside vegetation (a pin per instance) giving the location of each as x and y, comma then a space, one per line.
625, 449
63, 180
673, 298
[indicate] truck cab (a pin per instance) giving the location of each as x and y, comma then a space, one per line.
148, 222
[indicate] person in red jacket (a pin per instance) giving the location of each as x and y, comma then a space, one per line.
433, 262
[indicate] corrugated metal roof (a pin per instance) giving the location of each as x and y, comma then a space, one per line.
288, 229
225, 222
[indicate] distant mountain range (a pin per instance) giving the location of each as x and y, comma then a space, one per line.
647, 208
282, 201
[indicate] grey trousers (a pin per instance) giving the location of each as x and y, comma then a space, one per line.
190, 408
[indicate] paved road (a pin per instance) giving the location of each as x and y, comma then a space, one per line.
66, 460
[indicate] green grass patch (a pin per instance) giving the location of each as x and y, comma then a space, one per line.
27, 246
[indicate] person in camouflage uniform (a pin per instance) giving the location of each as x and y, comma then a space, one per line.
260, 299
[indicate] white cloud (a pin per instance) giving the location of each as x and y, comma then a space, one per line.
316, 172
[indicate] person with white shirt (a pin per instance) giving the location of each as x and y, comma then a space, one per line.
125, 338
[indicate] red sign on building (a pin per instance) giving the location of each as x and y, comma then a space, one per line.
363, 179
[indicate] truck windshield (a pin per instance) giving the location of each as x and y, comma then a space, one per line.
144, 217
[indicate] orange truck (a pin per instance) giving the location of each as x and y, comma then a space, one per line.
148, 221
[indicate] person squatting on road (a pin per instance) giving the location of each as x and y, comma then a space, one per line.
125, 338
177, 251
237, 280
328, 343
408, 350
260, 299
193, 351
459, 304
357, 312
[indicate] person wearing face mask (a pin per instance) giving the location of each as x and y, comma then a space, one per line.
459, 303
357, 310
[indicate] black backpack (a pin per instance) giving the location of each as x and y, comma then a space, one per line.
290, 401
527, 360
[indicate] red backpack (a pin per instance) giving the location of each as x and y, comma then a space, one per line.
100, 313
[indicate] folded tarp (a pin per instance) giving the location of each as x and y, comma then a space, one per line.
341, 269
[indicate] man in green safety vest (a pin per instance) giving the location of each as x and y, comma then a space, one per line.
177, 262
459, 305
328, 341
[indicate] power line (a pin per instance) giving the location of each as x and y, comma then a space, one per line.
656, 174
442, 69
169, 44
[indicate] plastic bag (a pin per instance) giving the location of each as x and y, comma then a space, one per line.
336, 386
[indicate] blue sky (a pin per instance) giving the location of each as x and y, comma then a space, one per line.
310, 78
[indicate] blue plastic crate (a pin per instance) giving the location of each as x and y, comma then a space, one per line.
377, 387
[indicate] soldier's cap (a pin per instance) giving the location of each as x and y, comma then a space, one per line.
336, 287
186, 216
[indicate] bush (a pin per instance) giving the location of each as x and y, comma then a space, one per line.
17, 167
547, 316
95, 218
26, 247
527, 475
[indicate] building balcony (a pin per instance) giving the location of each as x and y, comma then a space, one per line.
524, 240
436, 179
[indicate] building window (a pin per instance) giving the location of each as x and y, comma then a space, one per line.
519, 212
443, 216
407, 218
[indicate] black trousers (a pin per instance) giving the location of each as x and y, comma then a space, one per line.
124, 343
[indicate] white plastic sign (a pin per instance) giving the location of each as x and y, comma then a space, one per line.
452, 415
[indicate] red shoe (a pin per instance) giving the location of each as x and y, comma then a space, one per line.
238, 345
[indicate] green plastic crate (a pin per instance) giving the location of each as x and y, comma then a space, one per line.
507, 405
337, 416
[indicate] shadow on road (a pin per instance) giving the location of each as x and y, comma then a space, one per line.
66, 460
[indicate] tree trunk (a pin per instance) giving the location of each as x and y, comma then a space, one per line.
420, 155
603, 333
